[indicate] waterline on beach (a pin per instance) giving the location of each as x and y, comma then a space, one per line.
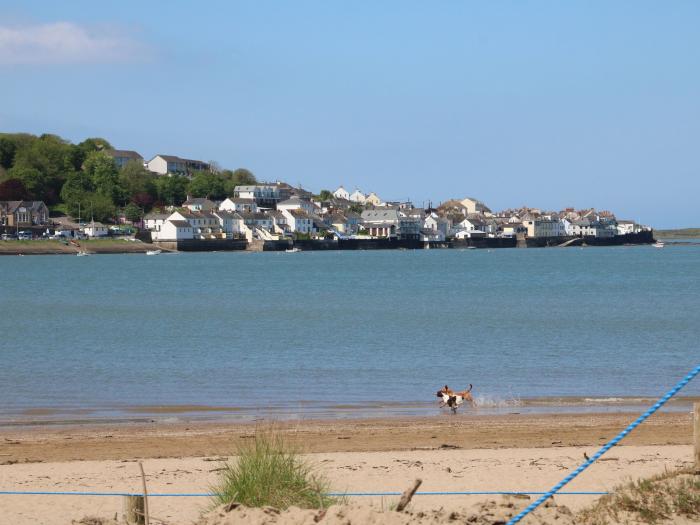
484, 405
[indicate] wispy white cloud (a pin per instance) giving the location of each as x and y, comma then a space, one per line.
65, 43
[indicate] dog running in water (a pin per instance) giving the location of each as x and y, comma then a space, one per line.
454, 399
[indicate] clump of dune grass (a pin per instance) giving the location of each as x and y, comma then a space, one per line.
268, 471
653, 500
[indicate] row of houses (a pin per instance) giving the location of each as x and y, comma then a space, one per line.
242, 217
256, 212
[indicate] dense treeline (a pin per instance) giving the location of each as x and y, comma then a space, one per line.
73, 176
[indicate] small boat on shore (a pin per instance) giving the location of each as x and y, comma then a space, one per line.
293, 250
82, 253
658, 244
154, 252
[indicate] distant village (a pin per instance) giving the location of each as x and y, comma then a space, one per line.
278, 211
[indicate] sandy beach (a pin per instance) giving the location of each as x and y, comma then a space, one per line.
462, 453
52, 247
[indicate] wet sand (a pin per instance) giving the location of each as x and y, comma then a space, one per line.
163, 440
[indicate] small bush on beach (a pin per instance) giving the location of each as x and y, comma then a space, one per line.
654, 500
268, 471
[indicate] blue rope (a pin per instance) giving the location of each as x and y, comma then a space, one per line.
332, 494
661, 402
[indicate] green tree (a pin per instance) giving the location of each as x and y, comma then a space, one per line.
34, 181
53, 158
104, 175
99, 207
132, 212
138, 183
239, 177
207, 184
8, 148
172, 190
325, 195
75, 193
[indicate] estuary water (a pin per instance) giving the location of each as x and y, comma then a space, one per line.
343, 334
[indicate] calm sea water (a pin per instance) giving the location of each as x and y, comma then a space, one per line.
343, 332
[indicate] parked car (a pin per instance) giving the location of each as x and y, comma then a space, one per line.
24, 236
7, 237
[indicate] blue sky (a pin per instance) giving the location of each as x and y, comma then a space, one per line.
547, 104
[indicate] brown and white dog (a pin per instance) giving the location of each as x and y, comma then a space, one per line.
454, 399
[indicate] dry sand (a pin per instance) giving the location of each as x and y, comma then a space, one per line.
513, 453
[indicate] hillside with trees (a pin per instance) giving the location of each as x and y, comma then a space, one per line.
71, 177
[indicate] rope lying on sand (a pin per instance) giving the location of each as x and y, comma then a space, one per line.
555, 490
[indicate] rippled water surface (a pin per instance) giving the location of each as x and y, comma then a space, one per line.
342, 332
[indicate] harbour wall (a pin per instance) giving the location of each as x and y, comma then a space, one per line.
645, 237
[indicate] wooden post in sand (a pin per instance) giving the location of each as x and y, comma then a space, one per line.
696, 436
145, 496
407, 495
134, 510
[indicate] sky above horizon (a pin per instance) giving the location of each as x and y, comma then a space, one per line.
546, 104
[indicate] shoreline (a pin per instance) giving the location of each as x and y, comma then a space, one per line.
119, 246
52, 416
53, 247
121, 441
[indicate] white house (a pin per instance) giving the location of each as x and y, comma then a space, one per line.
470, 225
172, 165
295, 203
625, 227
341, 193
238, 204
470, 234
230, 222
279, 222
174, 230
544, 227
358, 196
298, 220
435, 223
203, 224
155, 221
264, 195
95, 229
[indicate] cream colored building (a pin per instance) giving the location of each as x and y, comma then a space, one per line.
373, 199
474, 206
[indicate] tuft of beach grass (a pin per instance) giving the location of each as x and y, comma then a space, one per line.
653, 500
269, 471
